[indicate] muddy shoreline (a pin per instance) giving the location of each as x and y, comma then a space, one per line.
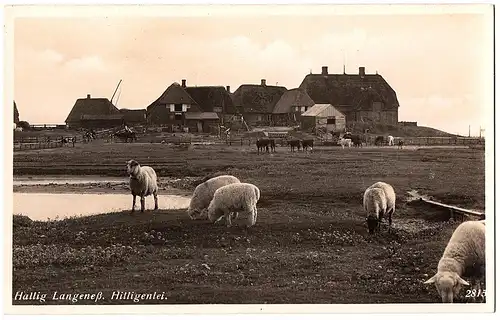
172, 186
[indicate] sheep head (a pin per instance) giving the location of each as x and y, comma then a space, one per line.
372, 223
195, 213
448, 284
133, 168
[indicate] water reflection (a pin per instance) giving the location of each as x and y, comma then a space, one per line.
42, 206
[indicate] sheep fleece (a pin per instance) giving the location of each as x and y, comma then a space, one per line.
145, 183
374, 201
234, 197
204, 192
466, 245
389, 193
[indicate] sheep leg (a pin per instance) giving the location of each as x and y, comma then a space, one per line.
155, 195
143, 203
228, 219
133, 202
389, 216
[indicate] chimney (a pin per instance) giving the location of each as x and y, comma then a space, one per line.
88, 96
361, 72
183, 83
263, 82
228, 89
324, 71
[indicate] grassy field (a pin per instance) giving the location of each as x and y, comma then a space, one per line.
309, 244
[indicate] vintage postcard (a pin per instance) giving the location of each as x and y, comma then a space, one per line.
249, 159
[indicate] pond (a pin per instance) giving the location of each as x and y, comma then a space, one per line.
47, 180
44, 206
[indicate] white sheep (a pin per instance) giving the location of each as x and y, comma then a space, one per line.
379, 201
464, 254
204, 193
143, 183
232, 199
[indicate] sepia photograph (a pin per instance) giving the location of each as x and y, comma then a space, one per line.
267, 155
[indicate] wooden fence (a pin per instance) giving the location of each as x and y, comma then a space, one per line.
47, 142
414, 141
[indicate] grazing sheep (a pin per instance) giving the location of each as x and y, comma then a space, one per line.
345, 142
390, 139
204, 193
464, 255
378, 200
232, 198
143, 183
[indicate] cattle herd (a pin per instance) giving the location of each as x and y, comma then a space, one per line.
345, 140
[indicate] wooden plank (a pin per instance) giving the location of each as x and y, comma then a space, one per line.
453, 208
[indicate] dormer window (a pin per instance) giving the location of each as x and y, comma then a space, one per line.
178, 107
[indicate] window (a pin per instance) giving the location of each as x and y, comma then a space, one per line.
178, 107
331, 121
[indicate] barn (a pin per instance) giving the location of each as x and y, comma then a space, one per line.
212, 100
171, 107
200, 109
256, 102
290, 106
94, 113
100, 121
323, 118
361, 97
134, 117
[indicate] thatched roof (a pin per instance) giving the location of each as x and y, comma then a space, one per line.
91, 106
210, 97
102, 117
174, 94
350, 91
16, 113
293, 98
201, 116
137, 115
252, 98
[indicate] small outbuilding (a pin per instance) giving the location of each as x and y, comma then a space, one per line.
207, 122
323, 118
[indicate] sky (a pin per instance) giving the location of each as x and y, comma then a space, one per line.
435, 63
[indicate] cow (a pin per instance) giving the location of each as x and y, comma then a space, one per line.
400, 144
345, 142
261, 144
307, 143
390, 139
379, 140
294, 144
357, 141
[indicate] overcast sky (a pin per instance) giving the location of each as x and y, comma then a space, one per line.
433, 62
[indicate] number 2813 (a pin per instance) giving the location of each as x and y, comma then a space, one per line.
473, 293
